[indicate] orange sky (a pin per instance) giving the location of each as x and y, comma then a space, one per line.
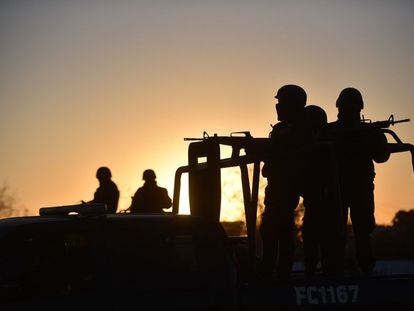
91, 83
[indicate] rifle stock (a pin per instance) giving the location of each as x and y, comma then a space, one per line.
396, 148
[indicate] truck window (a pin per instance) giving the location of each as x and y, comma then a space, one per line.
232, 208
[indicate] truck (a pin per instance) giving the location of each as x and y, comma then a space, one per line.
80, 257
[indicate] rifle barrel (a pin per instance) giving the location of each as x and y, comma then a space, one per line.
192, 139
401, 121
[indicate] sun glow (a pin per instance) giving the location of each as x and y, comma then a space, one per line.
184, 207
92, 83
232, 208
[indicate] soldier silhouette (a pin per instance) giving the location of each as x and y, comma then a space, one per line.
358, 145
314, 189
150, 198
323, 229
107, 191
284, 172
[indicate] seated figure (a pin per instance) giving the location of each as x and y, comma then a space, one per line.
150, 198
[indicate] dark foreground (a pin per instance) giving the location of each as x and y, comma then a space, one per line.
119, 262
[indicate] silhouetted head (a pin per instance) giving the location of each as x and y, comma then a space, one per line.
315, 116
349, 104
149, 176
103, 173
291, 101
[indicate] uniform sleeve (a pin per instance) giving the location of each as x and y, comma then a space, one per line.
136, 199
98, 196
113, 199
166, 200
116, 199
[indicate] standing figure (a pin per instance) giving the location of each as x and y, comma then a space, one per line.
107, 191
357, 145
150, 198
284, 171
323, 228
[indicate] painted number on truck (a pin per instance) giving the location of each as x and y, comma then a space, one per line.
315, 295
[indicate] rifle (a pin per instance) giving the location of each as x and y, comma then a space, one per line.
253, 147
385, 123
399, 145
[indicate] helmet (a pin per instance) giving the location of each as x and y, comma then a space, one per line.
149, 175
350, 97
103, 173
293, 94
315, 116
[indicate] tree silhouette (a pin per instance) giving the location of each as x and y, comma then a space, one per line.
8, 206
404, 220
396, 241
7, 202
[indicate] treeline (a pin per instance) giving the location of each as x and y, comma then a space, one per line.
392, 242
395, 241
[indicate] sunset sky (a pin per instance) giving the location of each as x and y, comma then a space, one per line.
85, 84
